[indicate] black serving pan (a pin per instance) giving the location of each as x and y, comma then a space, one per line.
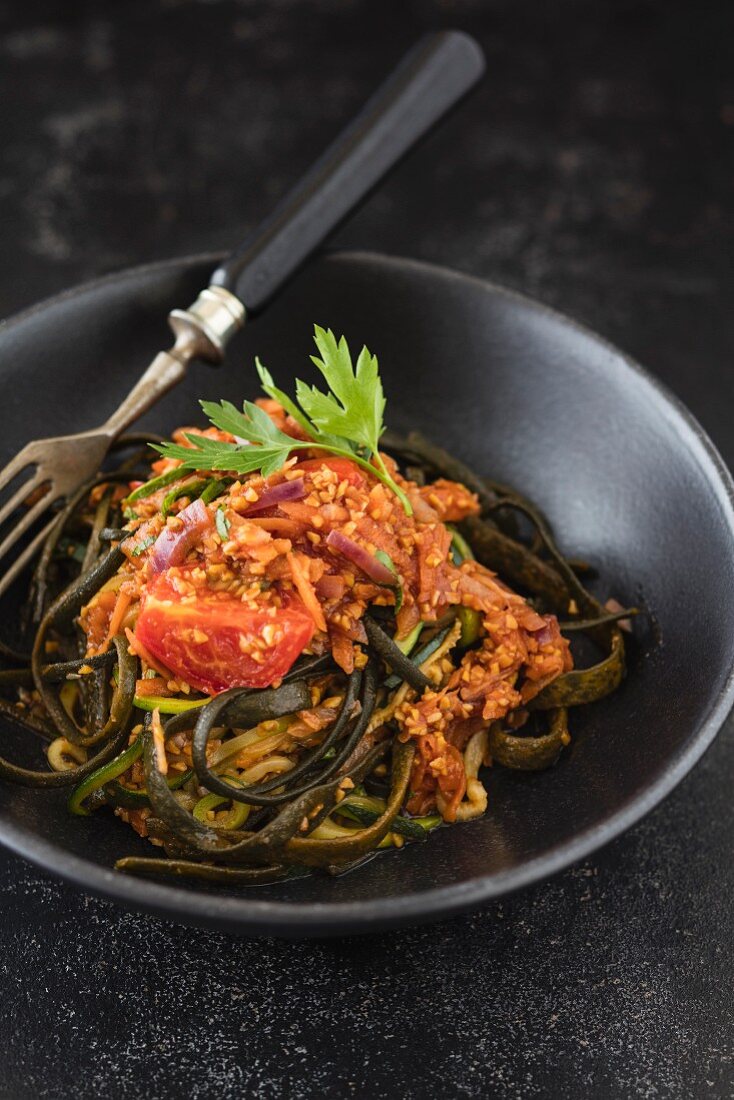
629, 480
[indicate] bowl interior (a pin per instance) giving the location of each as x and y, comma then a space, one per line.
627, 479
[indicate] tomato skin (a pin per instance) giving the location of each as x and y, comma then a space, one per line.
344, 468
200, 640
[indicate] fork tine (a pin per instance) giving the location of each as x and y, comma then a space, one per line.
25, 522
20, 495
23, 559
13, 468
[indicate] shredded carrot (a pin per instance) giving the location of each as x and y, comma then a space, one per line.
156, 685
123, 601
286, 528
306, 590
137, 647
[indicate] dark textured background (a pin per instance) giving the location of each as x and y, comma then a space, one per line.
594, 170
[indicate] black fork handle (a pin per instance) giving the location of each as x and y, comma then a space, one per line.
434, 76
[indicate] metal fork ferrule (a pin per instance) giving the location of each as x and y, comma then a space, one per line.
204, 329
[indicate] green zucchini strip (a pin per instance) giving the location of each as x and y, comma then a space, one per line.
107, 772
205, 872
313, 852
585, 685
352, 807
421, 656
117, 794
394, 657
191, 488
530, 753
155, 483
165, 705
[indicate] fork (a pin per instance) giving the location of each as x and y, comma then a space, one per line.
436, 73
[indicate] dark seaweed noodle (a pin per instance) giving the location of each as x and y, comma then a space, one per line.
258, 795
285, 809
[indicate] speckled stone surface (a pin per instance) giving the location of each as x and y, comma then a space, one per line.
593, 170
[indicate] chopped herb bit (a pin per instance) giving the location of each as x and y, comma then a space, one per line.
142, 546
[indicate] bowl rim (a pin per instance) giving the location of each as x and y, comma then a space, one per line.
248, 915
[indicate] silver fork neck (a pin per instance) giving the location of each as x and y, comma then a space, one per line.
204, 329
202, 332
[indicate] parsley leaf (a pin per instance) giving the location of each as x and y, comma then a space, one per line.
354, 408
346, 420
270, 388
252, 426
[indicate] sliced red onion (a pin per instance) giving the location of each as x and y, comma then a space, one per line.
546, 633
422, 510
174, 543
360, 557
278, 494
330, 587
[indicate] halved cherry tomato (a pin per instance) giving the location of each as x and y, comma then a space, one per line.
342, 467
210, 641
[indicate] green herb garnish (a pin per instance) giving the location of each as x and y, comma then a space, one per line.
345, 421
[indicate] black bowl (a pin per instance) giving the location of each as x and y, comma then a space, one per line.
627, 477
